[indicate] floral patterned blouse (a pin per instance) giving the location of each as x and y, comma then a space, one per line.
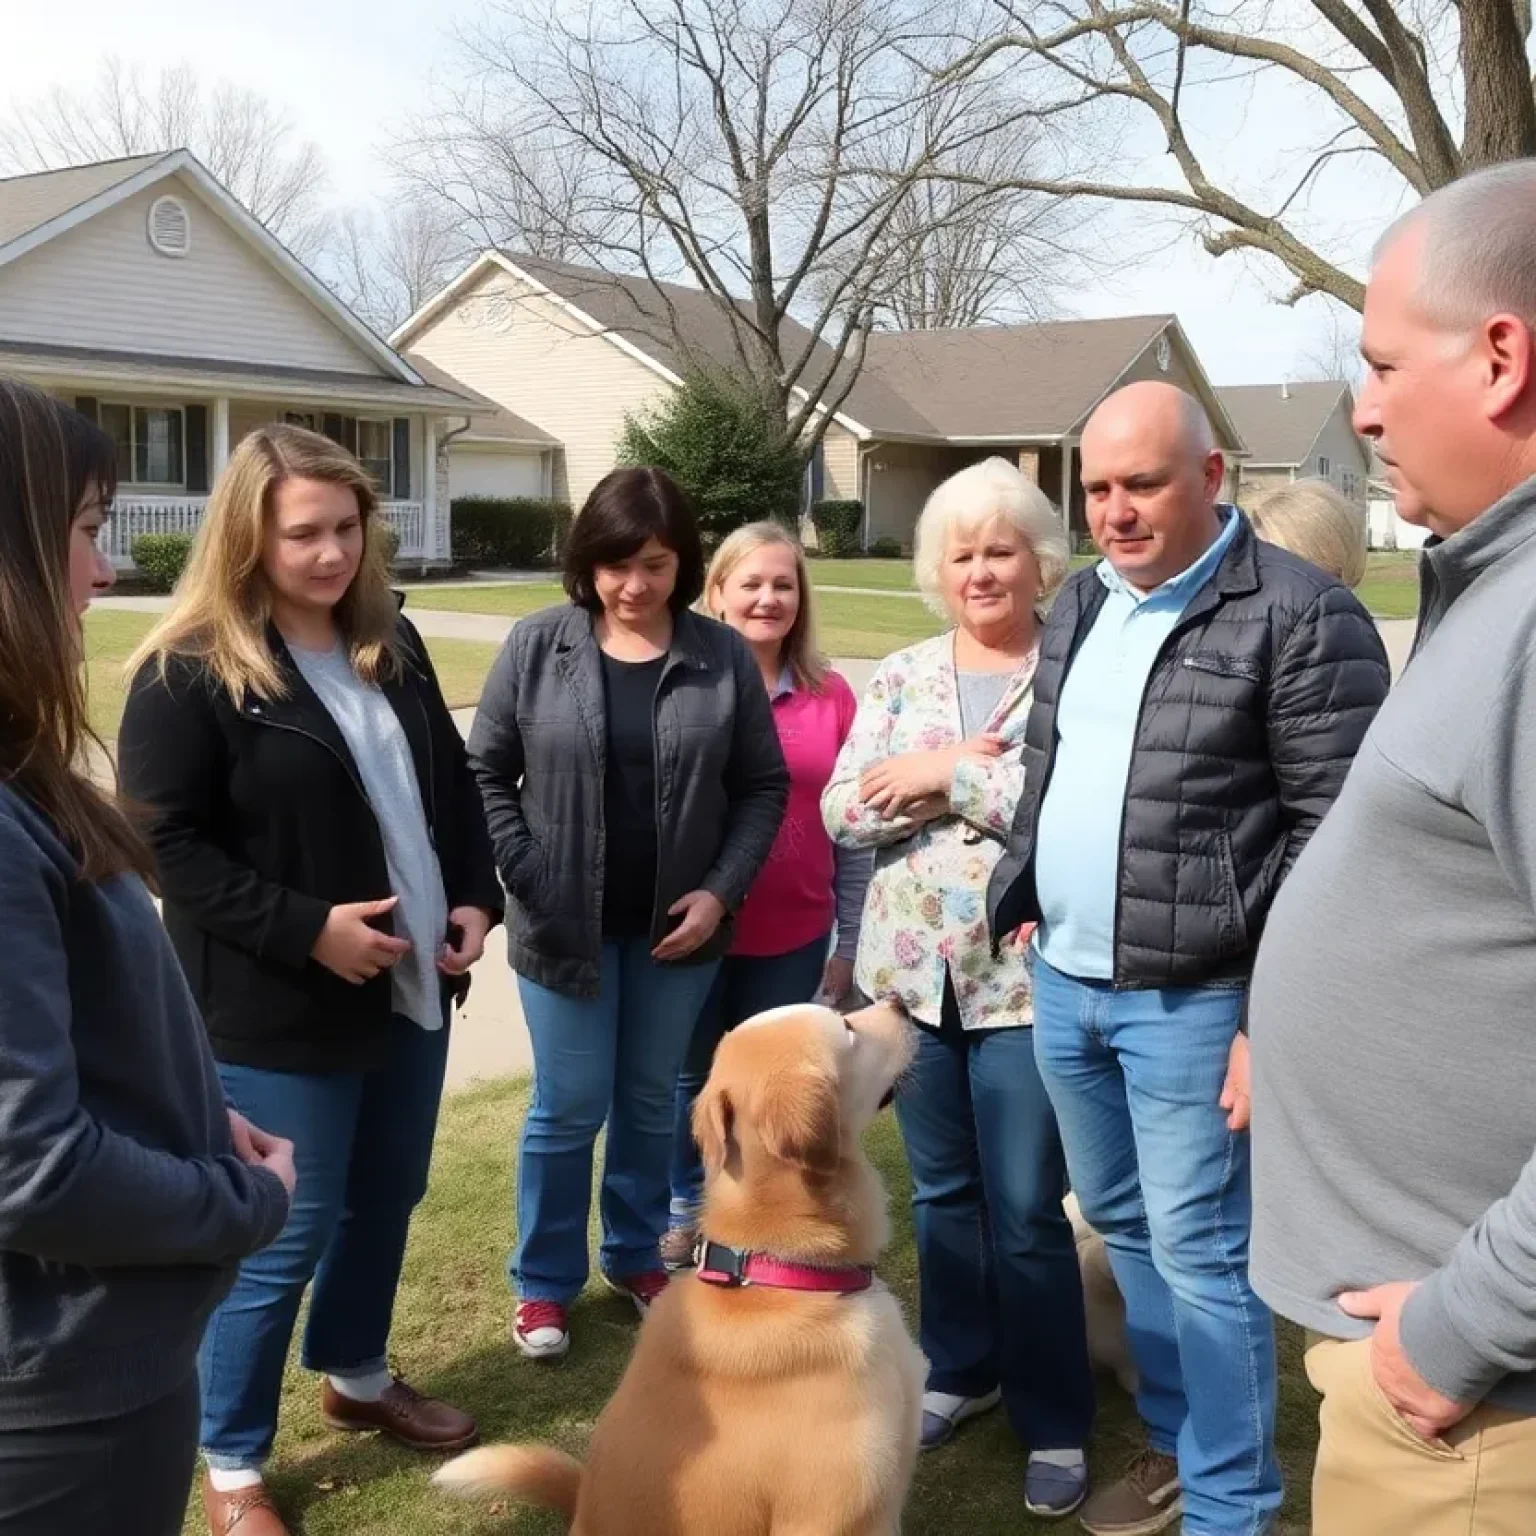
927, 901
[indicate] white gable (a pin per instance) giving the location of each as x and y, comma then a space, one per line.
205, 294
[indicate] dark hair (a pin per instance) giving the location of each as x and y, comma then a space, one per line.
50, 458
627, 507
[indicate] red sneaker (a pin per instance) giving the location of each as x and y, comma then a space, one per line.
541, 1329
642, 1289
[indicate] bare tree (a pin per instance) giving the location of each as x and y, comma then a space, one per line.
740, 146
385, 266
1414, 92
250, 147
1334, 351
959, 253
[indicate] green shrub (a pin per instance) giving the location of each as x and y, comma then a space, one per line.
837, 525
161, 557
508, 532
727, 447
885, 548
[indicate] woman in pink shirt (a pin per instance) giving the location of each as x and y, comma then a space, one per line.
782, 951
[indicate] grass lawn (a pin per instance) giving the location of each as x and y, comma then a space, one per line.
1391, 586
850, 623
872, 575
111, 635
450, 1339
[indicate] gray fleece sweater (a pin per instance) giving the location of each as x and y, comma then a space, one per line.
1393, 1005
123, 1209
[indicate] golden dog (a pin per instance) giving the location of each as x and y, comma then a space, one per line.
788, 1405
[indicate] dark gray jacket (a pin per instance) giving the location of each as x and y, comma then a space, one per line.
1254, 710
539, 750
123, 1208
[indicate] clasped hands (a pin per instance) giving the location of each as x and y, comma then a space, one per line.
917, 784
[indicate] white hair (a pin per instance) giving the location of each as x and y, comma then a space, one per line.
1479, 257
974, 496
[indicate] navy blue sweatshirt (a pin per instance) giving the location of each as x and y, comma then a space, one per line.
124, 1211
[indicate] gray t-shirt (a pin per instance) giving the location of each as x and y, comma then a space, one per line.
980, 694
378, 744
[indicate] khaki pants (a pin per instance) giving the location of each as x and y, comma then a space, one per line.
1376, 1477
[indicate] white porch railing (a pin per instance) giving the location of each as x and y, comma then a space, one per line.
133, 515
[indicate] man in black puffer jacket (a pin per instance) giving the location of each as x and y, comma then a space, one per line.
1199, 699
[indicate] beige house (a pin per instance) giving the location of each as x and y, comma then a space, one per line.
577, 351
1296, 432
142, 293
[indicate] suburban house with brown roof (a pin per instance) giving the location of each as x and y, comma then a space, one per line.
142, 292
576, 351
1298, 431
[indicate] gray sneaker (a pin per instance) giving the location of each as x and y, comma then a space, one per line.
1145, 1501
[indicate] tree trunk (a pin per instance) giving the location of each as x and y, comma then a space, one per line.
1501, 107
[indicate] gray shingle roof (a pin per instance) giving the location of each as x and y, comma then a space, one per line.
1019, 381
26, 202
1280, 422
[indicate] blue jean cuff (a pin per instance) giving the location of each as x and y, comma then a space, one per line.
217, 1463
347, 1372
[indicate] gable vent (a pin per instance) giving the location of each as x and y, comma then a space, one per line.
170, 226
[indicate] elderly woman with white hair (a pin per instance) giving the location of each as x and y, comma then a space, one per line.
929, 776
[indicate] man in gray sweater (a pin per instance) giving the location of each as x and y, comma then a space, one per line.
1393, 1006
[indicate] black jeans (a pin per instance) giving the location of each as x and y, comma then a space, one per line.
128, 1475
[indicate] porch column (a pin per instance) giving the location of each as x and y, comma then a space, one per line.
1029, 464
429, 539
220, 435
1066, 486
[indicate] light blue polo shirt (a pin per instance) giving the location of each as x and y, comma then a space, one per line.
1077, 846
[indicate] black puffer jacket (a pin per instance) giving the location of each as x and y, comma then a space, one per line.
539, 749
1253, 712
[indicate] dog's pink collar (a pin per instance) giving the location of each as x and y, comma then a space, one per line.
732, 1267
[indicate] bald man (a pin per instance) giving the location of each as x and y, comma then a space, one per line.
1392, 1002
1199, 698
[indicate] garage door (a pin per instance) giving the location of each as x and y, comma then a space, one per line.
491, 472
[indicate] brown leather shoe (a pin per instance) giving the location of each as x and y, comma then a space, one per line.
420, 1422
245, 1512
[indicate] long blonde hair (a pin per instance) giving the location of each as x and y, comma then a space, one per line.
223, 604
1312, 519
798, 651
51, 460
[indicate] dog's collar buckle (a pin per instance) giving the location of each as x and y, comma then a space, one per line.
732, 1268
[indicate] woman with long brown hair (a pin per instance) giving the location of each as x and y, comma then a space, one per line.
129, 1191
328, 882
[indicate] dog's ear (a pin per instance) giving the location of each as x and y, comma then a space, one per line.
799, 1118
714, 1122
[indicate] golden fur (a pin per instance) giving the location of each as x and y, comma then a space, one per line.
760, 1412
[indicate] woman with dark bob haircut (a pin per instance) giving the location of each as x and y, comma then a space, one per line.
634, 785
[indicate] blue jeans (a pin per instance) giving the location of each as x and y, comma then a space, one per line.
1135, 1077
1000, 1293
363, 1145
747, 984
613, 1057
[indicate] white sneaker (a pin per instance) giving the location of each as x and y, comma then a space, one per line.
541, 1330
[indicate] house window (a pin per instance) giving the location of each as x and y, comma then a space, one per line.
1323, 466
306, 419
151, 442
375, 452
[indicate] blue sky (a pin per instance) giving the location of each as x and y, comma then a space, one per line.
348, 71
